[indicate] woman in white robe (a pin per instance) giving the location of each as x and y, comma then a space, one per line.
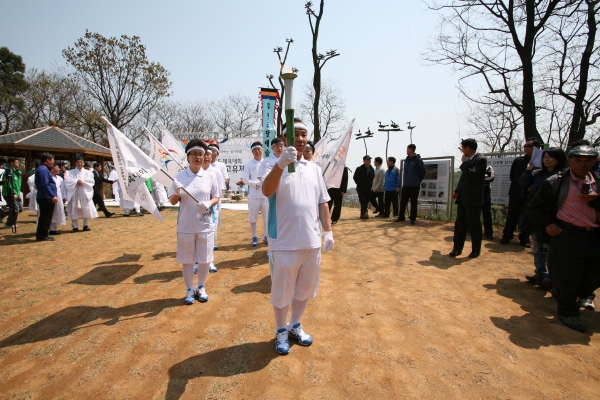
115, 186
127, 205
33, 206
58, 216
159, 194
79, 185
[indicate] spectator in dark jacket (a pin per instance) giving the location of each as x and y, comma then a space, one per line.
46, 196
363, 177
572, 225
337, 195
391, 186
486, 211
414, 172
554, 160
517, 196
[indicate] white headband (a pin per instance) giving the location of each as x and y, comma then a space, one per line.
194, 148
297, 125
208, 151
212, 146
258, 146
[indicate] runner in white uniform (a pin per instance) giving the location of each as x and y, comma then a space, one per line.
266, 165
217, 208
257, 202
195, 223
297, 205
214, 148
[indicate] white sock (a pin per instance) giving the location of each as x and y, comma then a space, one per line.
253, 228
202, 273
281, 316
188, 275
298, 308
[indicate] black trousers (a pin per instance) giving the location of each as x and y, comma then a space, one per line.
336, 203
574, 266
46, 207
363, 198
391, 198
468, 218
409, 193
516, 206
377, 201
16, 206
99, 202
487, 211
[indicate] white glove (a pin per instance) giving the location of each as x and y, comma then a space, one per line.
204, 205
288, 156
177, 187
328, 245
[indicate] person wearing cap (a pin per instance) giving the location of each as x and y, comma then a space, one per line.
572, 228
195, 225
297, 206
363, 177
257, 202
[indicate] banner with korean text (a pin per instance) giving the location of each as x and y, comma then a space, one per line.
269, 101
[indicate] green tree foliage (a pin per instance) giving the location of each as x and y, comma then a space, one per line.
12, 84
116, 73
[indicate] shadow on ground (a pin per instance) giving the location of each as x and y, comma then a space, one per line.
257, 259
444, 261
538, 327
263, 286
122, 259
235, 360
162, 277
108, 274
71, 319
166, 254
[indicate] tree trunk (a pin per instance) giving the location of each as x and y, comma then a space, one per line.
528, 101
317, 75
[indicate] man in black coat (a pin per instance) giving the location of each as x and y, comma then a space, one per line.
517, 196
97, 198
469, 199
336, 195
363, 177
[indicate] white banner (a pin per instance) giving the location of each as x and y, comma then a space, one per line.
235, 153
333, 161
175, 147
320, 148
133, 168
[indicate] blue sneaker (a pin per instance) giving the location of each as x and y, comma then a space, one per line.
282, 344
303, 338
212, 268
202, 296
268, 255
196, 269
189, 296
265, 241
254, 241
216, 248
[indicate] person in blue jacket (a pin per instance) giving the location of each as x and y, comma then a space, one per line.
46, 196
414, 172
391, 186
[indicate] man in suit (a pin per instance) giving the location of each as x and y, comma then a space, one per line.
98, 199
469, 199
363, 177
337, 195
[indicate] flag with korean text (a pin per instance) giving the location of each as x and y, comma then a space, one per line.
333, 161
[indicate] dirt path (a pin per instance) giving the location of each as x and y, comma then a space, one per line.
100, 315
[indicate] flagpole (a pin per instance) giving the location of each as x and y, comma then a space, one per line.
183, 188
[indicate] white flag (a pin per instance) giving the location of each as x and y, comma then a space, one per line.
174, 146
133, 167
333, 161
320, 148
164, 159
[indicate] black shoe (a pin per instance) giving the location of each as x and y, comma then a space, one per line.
489, 237
382, 216
140, 214
474, 254
53, 232
554, 293
535, 279
46, 239
504, 241
365, 216
75, 230
86, 229
109, 214
455, 253
527, 245
126, 215
546, 284
574, 323
413, 222
400, 220
333, 222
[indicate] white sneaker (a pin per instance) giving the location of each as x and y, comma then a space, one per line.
303, 338
212, 268
201, 292
282, 344
587, 303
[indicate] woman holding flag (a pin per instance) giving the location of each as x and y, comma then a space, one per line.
195, 225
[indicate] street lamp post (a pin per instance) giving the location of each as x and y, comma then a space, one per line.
393, 128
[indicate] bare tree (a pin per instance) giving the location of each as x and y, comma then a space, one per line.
319, 60
331, 108
496, 125
234, 114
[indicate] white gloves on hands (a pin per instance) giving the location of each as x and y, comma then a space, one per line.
177, 187
288, 156
204, 205
328, 245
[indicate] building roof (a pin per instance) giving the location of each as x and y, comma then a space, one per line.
52, 138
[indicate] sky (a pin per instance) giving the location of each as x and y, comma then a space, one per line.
216, 48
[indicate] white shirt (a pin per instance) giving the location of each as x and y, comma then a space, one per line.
223, 168
294, 222
266, 165
203, 186
250, 178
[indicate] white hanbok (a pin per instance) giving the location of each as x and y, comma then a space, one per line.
79, 197
127, 205
33, 205
58, 216
159, 193
115, 186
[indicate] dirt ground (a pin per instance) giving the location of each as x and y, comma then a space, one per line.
100, 314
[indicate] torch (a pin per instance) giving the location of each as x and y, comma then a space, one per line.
288, 82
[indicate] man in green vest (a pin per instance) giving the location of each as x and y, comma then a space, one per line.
11, 191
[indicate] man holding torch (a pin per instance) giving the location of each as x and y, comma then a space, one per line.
297, 206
